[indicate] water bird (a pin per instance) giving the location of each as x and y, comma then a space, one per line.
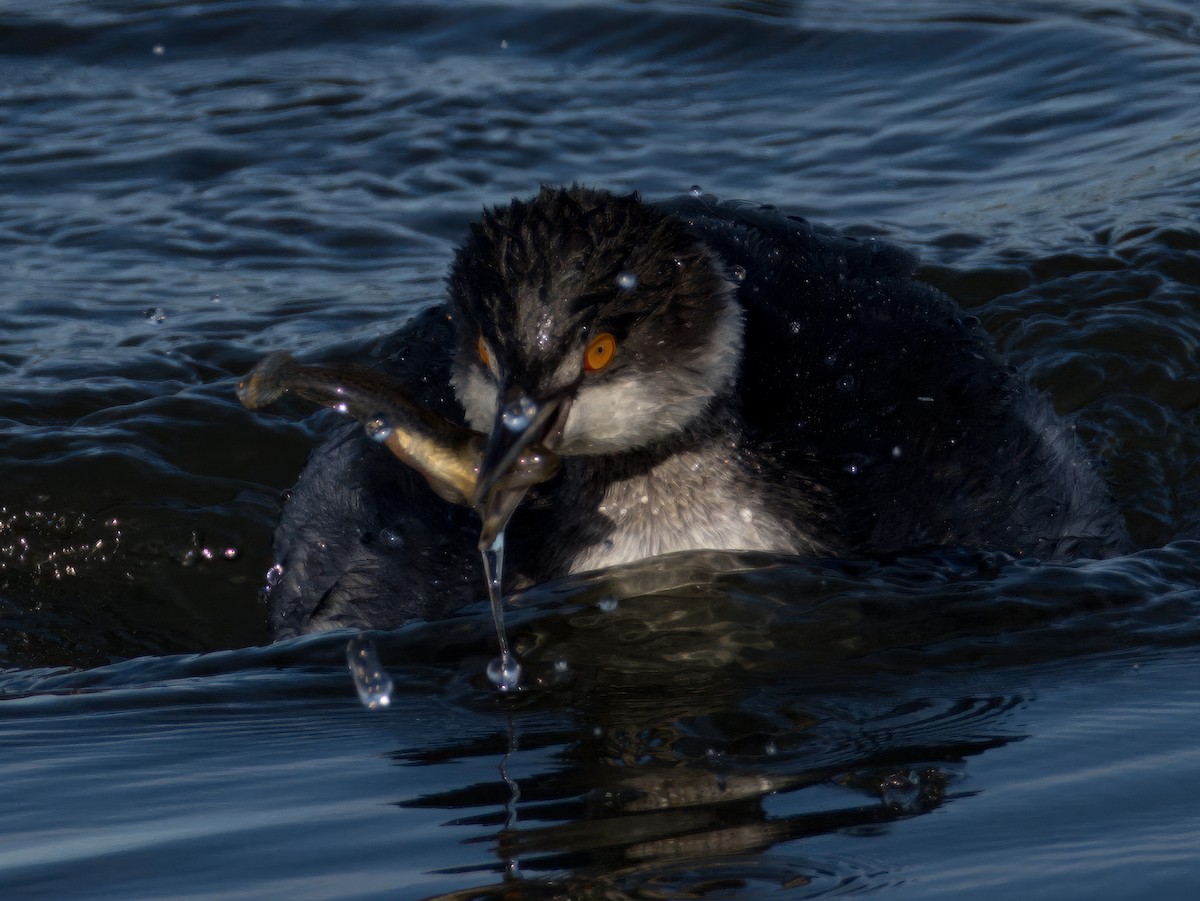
687, 375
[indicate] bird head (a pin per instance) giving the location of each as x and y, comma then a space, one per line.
589, 323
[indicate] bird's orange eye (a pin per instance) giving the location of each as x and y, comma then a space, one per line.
600, 352
483, 353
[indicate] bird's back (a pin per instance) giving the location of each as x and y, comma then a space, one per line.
876, 385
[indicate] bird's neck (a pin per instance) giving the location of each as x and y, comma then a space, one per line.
694, 491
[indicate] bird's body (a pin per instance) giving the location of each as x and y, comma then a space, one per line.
714, 376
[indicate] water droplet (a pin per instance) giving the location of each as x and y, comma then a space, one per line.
390, 538
274, 575
696, 190
504, 672
155, 314
738, 273
504, 45
158, 49
795, 327
517, 415
770, 749
561, 665
923, 399
608, 604
897, 452
845, 383
746, 514
372, 681
627, 281
852, 468
216, 298
379, 428
342, 408
831, 359
231, 553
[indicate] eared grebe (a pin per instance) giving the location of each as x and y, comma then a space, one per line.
711, 376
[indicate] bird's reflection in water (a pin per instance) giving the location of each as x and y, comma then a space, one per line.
700, 722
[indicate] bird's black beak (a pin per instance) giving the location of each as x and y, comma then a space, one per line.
515, 458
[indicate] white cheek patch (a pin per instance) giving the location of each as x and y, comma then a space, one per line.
477, 394
623, 413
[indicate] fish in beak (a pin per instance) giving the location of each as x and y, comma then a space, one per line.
524, 431
451, 458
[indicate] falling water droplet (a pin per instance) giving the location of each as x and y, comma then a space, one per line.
372, 681
627, 281
608, 604
845, 384
518, 414
505, 672
696, 190
738, 273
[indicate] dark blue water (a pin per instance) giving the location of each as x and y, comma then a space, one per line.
187, 187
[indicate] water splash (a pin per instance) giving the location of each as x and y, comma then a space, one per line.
372, 681
505, 670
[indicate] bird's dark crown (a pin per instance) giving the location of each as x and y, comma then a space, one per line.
536, 277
